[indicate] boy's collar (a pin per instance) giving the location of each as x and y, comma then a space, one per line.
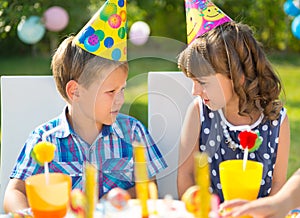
106, 129
112, 129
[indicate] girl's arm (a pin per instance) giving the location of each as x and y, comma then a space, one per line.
281, 165
189, 144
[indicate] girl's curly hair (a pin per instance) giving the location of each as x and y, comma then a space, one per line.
232, 50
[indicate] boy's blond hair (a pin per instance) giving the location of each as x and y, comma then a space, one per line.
70, 62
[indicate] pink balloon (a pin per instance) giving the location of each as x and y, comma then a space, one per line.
56, 18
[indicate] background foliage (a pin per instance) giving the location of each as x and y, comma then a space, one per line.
165, 17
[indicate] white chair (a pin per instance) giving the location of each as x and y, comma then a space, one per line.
169, 94
26, 102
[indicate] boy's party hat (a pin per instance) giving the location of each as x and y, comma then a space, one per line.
105, 35
202, 16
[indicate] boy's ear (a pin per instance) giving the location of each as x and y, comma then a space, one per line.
72, 90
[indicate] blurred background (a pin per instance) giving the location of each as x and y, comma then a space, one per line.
161, 27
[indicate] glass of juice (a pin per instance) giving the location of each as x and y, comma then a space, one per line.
48, 199
239, 183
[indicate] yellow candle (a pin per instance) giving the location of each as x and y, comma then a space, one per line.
91, 189
202, 179
141, 177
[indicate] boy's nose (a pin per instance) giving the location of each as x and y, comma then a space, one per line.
119, 99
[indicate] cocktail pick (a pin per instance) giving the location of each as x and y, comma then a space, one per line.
250, 142
43, 152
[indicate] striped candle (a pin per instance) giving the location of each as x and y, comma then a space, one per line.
141, 176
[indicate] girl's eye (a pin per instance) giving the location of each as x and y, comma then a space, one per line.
201, 83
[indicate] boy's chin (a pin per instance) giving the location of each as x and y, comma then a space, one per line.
110, 122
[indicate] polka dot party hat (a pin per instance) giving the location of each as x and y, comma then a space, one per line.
105, 35
202, 16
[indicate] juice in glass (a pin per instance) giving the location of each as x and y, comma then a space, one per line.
239, 183
48, 200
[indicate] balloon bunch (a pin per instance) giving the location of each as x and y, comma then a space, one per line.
292, 8
32, 29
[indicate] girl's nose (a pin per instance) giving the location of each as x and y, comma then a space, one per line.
197, 88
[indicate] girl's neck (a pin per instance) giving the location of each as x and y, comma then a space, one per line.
232, 116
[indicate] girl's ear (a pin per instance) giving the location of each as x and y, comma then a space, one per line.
72, 90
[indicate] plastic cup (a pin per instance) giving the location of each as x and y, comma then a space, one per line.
48, 200
239, 183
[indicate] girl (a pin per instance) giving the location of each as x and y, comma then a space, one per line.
237, 89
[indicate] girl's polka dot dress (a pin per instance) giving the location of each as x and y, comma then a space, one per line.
214, 141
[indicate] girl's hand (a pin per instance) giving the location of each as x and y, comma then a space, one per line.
228, 207
267, 207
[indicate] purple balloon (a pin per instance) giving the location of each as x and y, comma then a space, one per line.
31, 30
56, 18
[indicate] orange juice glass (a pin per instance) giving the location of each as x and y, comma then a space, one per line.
48, 200
239, 183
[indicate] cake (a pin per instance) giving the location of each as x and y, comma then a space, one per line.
117, 204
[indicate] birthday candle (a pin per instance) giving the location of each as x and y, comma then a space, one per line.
141, 176
91, 190
202, 179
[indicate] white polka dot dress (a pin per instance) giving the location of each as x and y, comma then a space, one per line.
213, 141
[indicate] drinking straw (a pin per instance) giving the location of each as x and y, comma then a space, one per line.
44, 136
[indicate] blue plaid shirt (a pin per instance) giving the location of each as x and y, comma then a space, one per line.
111, 152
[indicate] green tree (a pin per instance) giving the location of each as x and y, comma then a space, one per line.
165, 17
12, 11
271, 25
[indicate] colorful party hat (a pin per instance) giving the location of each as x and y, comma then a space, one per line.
105, 35
202, 16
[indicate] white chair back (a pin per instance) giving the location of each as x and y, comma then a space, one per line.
26, 102
169, 94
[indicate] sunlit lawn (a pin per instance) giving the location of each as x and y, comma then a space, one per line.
288, 66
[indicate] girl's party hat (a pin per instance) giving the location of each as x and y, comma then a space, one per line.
202, 16
105, 35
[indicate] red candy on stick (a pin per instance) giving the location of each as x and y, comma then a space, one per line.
249, 141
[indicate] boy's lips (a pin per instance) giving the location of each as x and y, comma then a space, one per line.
114, 112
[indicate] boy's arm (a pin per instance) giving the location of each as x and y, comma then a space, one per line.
15, 196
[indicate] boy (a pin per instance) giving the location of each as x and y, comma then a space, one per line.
90, 71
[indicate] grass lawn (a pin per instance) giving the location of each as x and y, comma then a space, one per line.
287, 65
